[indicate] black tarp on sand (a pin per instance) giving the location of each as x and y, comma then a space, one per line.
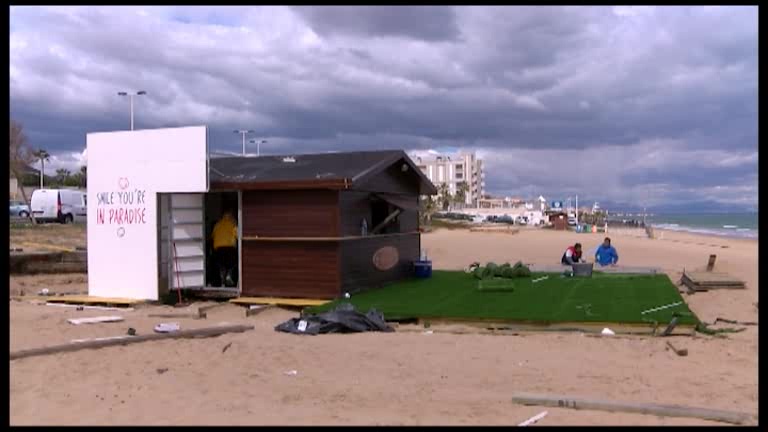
343, 319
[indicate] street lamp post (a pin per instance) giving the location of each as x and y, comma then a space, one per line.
243, 132
130, 96
258, 145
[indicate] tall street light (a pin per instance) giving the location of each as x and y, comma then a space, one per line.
258, 145
130, 96
243, 132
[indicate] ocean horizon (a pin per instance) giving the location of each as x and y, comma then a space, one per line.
737, 225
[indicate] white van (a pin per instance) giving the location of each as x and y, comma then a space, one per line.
59, 205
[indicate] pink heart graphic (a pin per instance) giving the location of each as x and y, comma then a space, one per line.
123, 183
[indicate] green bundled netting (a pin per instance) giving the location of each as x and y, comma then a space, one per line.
502, 271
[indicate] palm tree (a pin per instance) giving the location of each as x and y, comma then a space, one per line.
428, 207
445, 195
43, 156
461, 193
62, 174
84, 176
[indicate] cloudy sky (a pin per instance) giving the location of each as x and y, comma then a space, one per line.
617, 104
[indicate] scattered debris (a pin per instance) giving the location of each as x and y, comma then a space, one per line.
705, 281
703, 328
95, 320
44, 292
534, 419
197, 315
257, 309
640, 408
733, 322
226, 347
162, 370
291, 372
429, 332
681, 352
131, 331
660, 308
671, 326
607, 332
167, 327
539, 280
99, 339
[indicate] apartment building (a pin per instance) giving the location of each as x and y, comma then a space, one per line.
453, 169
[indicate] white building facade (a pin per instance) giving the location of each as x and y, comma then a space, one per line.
454, 169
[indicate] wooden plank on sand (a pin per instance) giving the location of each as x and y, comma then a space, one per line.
93, 344
278, 301
85, 299
640, 408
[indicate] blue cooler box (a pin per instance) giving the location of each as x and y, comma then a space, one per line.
422, 269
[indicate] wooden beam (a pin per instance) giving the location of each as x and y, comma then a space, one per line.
282, 185
324, 239
385, 221
640, 408
711, 263
94, 344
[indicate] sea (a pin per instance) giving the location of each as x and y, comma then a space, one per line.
740, 225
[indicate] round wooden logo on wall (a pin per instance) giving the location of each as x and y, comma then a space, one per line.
386, 258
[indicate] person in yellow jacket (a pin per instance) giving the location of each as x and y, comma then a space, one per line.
225, 247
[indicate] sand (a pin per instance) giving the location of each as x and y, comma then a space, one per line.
48, 237
401, 378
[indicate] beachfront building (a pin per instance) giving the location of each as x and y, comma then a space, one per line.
453, 170
308, 225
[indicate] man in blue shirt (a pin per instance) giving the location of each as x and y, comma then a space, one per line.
606, 254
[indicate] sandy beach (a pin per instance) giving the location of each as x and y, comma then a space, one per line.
402, 378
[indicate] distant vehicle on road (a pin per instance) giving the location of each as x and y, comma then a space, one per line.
572, 221
18, 209
59, 205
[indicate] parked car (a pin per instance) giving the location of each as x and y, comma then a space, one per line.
18, 208
501, 219
572, 221
59, 205
521, 220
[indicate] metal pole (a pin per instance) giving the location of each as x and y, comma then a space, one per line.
258, 148
42, 172
131, 97
577, 209
243, 142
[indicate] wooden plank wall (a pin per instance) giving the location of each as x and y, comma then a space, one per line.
357, 270
290, 269
295, 213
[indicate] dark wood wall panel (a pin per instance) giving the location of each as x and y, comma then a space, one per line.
291, 269
357, 270
354, 206
299, 213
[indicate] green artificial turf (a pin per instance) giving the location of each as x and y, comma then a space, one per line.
610, 298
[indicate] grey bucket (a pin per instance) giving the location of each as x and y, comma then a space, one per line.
583, 269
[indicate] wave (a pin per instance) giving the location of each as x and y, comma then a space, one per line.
730, 226
721, 232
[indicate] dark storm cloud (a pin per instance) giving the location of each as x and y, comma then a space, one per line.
539, 91
429, 23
